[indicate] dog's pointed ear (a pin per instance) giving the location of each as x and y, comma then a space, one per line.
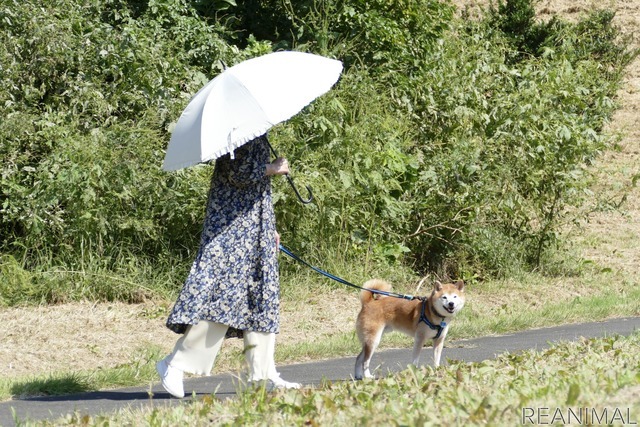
437, 286
460, 284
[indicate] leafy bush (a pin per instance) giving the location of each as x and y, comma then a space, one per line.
442, 146
91, 93
516, 20
469, 158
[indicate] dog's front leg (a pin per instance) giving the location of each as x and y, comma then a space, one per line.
438, 343
437, 350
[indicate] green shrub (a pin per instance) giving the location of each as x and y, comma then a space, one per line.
90, 95
448, 145
462, 147
516, 20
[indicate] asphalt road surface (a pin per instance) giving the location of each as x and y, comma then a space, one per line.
309, 374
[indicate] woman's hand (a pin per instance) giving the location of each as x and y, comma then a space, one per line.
279, 166
277, 239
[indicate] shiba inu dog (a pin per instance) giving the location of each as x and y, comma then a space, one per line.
423, 319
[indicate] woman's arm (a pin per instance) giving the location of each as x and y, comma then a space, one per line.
279, 166
251, 164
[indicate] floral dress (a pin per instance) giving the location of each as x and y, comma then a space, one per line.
234, 278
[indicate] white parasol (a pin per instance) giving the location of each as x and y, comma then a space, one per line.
245, 101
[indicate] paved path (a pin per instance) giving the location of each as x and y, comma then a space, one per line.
473, 350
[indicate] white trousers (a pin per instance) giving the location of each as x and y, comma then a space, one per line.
196, 351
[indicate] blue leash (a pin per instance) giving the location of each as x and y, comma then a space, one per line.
344, 282
423, 318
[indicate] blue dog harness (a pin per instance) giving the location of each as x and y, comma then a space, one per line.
423, 318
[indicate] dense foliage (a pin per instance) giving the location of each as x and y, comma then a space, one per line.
446, 139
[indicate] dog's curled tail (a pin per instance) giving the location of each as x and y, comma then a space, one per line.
375, 284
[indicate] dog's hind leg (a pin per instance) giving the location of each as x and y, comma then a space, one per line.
368, 348
359, 366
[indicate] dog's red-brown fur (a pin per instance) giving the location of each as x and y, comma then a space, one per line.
380, 314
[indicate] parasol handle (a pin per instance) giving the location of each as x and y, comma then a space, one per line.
295, 190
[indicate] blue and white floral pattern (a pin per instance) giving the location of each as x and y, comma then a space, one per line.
234, 278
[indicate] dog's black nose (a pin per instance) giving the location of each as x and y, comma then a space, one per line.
451, 305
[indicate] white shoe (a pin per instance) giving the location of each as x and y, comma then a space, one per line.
171, 379
280, 383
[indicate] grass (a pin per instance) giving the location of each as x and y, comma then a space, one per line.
140, 370
595, 379
318, 317
494, 307
500, 307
